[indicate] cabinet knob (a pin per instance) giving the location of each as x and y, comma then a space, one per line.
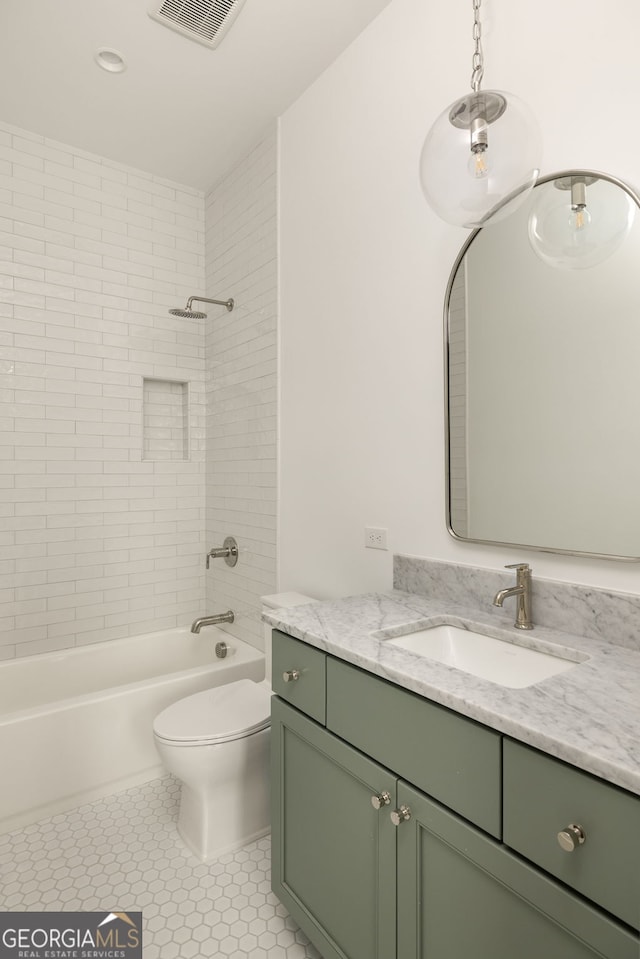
290, 675
380, 800
571, 837
398, 816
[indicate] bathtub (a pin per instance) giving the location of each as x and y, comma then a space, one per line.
77, 724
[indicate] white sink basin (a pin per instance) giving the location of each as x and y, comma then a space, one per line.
499, 660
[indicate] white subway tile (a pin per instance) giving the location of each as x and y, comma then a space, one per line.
13, 155
72, 172
88, 245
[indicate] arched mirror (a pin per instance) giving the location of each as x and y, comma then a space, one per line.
542, 321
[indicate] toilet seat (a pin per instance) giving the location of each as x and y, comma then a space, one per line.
216, 715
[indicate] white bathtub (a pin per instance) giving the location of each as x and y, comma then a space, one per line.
76, 725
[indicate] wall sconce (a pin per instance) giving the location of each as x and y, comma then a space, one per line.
576, 223
482, 155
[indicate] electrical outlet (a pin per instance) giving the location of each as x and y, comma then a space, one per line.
375, 538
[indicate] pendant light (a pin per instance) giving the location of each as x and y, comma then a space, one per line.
577, 221
482, 155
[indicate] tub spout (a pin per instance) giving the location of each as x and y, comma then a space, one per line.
197, 624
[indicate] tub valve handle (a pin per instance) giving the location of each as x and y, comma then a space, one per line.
228, 552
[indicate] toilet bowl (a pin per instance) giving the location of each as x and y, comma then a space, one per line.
217, 744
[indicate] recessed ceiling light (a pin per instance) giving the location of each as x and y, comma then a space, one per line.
110, 60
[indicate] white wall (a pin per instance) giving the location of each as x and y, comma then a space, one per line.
364, 267
97, 542
241, 262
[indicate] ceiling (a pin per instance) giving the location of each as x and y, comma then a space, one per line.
180, 110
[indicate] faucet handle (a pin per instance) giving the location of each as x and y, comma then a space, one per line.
519, 566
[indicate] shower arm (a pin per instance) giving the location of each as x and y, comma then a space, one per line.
203, 299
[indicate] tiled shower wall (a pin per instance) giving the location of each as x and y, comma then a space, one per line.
98, 541
241, 262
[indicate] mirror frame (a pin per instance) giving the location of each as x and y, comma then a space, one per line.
461, 255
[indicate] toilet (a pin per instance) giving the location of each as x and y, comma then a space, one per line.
217, 744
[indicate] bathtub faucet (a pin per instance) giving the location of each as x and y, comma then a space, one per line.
197, 624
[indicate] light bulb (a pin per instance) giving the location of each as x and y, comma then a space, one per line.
579, 219
478, 165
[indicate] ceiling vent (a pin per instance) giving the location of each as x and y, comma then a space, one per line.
206, 21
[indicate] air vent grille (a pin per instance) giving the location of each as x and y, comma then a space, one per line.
206, 21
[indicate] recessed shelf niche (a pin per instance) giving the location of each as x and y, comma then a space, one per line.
165, 420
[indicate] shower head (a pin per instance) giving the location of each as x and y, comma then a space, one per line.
190, 314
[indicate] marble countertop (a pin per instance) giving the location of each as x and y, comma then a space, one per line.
588, 716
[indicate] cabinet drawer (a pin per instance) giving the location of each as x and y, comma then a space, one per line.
305, 667
452, 758
542, 796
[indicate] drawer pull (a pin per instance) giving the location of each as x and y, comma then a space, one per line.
290, 675
398, 816
571, 837
380, 800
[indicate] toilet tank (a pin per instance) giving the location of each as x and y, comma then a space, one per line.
278, 601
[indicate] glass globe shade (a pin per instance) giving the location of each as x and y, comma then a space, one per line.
478, 189
576, 240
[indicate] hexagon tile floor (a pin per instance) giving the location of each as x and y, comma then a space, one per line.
123, 853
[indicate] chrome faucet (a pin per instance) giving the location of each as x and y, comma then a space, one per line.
522, 590
197, 624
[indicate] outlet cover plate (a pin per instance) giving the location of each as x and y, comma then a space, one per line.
375, 537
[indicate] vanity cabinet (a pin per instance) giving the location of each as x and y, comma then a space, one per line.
387, 829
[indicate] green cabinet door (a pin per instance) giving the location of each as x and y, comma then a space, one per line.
463, 895
333, 853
